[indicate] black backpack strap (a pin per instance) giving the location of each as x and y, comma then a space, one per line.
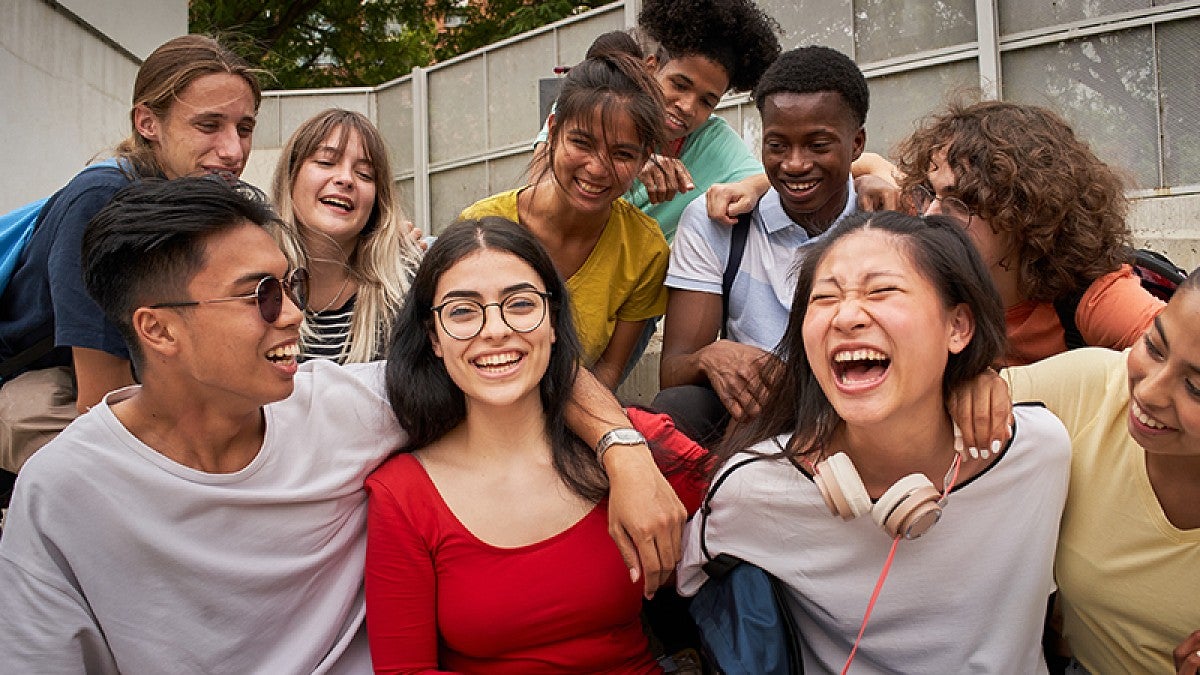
723, 563
19, 361
728, 562
1066, 307
737, 248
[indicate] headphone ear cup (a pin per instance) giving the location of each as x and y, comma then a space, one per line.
841, 488
909, 508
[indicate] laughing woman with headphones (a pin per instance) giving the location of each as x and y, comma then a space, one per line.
891, 312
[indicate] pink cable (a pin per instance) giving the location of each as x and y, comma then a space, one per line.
947, 485
871, 605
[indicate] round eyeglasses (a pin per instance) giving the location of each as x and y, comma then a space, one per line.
268, 295
463, 319
923, 199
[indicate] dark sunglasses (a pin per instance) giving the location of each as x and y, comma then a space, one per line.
268, 295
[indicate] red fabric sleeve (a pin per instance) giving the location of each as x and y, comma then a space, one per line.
684, 462
401, 588
1116, 311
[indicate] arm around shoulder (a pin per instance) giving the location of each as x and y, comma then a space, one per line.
645, 518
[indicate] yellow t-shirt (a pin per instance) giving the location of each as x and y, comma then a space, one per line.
621, 279
1126, 575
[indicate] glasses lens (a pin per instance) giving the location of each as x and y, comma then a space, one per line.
297, 287
462, 319
523, 312
269, 298
956, 208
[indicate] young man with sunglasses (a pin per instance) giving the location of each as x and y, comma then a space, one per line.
213, 518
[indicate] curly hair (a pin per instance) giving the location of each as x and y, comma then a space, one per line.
1023, 169
813, 69
736, 34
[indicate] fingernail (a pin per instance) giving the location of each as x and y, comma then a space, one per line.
633, 574
996, 447
958, 445
690, 186
983, 453
974, 452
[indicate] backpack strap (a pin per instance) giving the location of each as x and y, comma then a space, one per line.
728, 562
737, 247
19, 361
723, 563
1066, 307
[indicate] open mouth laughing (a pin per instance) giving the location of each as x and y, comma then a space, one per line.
860, 368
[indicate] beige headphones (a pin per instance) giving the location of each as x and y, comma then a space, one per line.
908, 508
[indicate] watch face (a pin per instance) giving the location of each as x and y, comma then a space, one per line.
626, 437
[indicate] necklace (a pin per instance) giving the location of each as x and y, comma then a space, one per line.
341, 290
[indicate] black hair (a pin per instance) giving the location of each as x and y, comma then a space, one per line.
735, 34
614, 42
426, 400
809, 70
943, 253
147, 243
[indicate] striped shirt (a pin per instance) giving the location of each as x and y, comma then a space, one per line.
328, 333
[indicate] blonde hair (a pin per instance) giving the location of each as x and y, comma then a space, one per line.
384, 257
163, 76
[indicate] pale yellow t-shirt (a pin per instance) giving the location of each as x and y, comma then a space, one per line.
1128, 578
621, 279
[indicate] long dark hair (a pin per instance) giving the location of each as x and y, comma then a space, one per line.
426, 400
942, 252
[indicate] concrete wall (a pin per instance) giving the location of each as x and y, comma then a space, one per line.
461, 130
67, 82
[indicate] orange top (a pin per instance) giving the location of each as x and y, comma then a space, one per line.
1114, 312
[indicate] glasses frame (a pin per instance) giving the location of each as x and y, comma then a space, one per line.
287, 285
499, 305
920, 193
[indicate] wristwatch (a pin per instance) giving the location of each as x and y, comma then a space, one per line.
619, 436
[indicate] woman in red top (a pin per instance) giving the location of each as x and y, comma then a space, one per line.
488, 546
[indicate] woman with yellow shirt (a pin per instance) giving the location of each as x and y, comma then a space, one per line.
1128, 560
612, 256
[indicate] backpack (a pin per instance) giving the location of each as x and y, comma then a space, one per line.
16, 227
1159, 276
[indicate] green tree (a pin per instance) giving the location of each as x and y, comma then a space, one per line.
494, 20
332, 43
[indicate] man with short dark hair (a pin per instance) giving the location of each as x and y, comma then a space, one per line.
213, 518
813, 102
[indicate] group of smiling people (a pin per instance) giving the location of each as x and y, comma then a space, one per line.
345, 453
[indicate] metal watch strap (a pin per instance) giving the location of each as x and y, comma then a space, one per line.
618, 436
